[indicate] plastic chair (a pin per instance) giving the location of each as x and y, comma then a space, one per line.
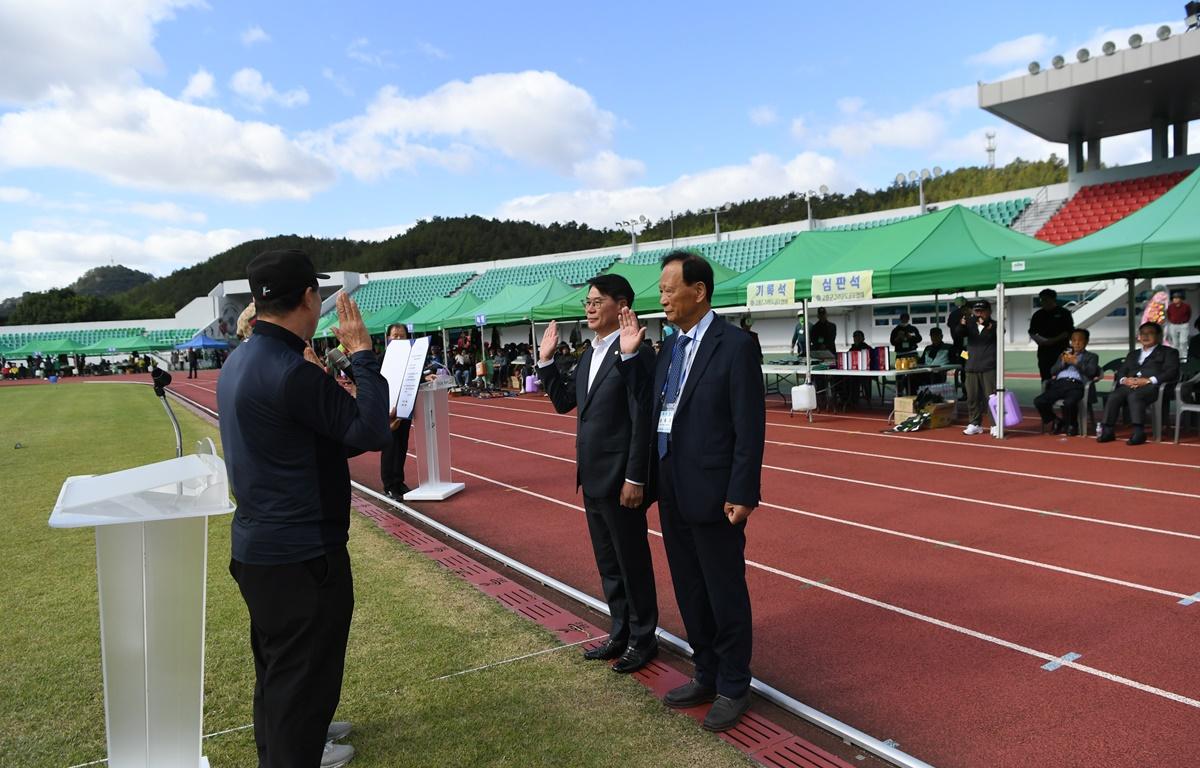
1182, 408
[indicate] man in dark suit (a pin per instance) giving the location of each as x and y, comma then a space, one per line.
612, 447
1069, 377
710, 423
1144, 371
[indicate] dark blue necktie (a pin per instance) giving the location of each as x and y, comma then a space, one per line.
674, 376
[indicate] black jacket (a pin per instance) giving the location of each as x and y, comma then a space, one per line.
1163, 364
981, 346
719, 427
613, 436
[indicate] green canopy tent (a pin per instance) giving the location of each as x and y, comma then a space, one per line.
643, 278
120, 345
1161, 239
429, 317
46, 347
513, 304
953, 249
378, 322
327, 321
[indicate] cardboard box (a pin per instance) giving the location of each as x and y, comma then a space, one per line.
941, 414
904, 407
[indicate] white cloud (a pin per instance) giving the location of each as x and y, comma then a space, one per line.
608, 170
432, 51
913, 129
142, 138
253, 35
249, 84
170, 212
52, 44
1017, 51
200, 87
957, 99
378, 234
763, 115
37, 260
16, 195
339, 82
850, 105
360, 50
763, 175
799, 129
534, 117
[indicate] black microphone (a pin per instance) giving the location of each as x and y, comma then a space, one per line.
334, 358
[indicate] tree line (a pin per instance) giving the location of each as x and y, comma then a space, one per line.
117, 293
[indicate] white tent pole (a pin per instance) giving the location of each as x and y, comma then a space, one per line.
1000, 360
807, 358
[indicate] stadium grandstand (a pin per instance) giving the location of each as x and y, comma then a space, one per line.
572, 272
739, 254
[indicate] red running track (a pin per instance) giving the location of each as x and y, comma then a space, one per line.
903, 589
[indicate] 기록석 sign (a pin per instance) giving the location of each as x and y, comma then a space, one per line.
771, 293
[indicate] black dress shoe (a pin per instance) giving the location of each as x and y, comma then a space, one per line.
1072, 430
1106, 435
635, 658
606, 651
1058, 428
1138, 437
726, 713
690, 694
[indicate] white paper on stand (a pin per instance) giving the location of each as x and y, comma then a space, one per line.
412, 378
393, 367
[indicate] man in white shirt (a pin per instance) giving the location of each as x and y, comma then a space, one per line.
612, 447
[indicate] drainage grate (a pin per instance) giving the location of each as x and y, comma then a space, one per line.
755, 736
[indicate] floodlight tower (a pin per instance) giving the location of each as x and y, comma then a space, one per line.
991, 149
920, 178
632, 224
716, 212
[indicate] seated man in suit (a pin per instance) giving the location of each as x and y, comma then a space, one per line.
1138, 381
1068, 380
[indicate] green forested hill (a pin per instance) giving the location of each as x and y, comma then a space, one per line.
449, 241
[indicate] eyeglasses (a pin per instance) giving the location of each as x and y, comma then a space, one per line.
592, 303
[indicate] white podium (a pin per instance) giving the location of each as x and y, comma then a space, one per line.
431, 419
151, 550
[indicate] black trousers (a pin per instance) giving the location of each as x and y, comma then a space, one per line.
393, 456
299, 623
1069, 391
626, 572
1138, 401
708, 571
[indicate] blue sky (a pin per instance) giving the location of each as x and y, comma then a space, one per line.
156, 133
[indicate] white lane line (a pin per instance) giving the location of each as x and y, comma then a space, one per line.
976, 444
906, 437
978, 468
1110, 677
903, 535
1001, 505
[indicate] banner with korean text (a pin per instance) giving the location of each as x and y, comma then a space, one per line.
843, 286
771, 293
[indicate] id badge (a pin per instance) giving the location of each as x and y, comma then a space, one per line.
665, 418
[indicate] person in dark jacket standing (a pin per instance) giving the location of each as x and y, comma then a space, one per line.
1050, 328
395, 453
612, 449
979, 332
287, 430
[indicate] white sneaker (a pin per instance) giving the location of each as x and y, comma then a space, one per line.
336, 755
995, 431
338, 730
973, 429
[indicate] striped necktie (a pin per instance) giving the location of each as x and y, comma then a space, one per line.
674, 376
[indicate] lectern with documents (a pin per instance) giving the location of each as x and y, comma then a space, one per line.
151, 550
431, 418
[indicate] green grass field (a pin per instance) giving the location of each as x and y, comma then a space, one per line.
413, 622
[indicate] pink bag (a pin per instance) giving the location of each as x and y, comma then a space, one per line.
1012, 409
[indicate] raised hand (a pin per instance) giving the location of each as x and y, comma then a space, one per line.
632, 334
350, 331
549, 342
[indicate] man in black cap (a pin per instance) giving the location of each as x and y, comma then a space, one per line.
1050, 328
980, 335
287, 429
